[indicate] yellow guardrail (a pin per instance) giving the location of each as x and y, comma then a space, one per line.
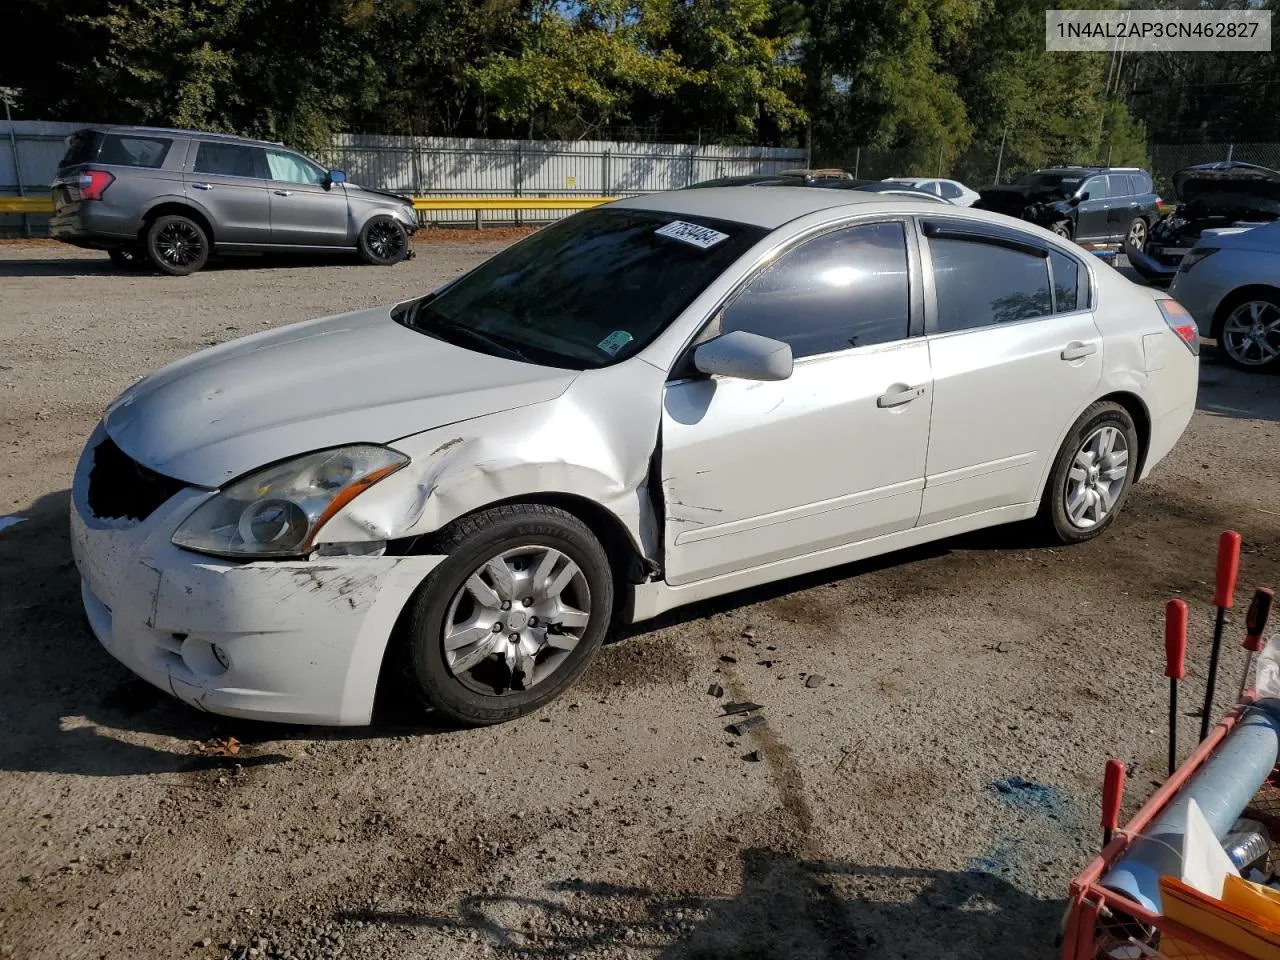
44, 205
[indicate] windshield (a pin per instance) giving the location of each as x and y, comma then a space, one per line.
585, 292
1066, 182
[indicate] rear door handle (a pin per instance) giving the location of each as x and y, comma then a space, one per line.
283, 193
1078, 350
202, 186
898, 394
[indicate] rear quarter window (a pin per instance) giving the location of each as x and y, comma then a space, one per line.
127, 151
82, 147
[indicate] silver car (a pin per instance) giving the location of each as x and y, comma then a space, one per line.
660, 400
173, 198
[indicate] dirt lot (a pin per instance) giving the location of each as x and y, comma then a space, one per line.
932, 797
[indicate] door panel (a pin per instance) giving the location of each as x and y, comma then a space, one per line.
1092, 214
226, 179
1003, 397
1123, 207
303, 210
757, 472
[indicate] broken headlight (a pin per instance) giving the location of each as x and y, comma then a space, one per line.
278, 510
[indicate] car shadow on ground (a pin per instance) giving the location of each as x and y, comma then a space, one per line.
82, 266
788, 908
1228, 392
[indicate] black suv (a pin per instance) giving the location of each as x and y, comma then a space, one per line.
1085, 204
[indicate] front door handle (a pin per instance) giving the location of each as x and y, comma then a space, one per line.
203, 186
1078, 350
283, 193
898, 394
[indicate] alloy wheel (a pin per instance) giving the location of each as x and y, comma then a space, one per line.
1097, 476
1137, 234
178, 243
515, 620
1251, 334
386, 240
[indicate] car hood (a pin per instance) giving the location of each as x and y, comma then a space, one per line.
369, 193
1229, 188
354, 378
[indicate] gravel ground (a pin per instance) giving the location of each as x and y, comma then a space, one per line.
932, 795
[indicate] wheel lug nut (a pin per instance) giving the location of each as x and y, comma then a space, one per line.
528, 601
498, 628
506, 604
533, 621
514, 638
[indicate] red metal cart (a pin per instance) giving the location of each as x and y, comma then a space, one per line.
1102, 924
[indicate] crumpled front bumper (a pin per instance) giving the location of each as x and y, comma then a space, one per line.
294, 641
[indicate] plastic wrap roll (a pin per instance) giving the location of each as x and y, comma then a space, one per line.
1222, 788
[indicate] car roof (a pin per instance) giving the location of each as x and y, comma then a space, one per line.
178, 132
766, 208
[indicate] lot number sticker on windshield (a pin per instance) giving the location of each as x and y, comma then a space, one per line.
692, 234
614, 342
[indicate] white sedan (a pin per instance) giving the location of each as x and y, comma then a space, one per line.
1230, 282
952, 190
657, 401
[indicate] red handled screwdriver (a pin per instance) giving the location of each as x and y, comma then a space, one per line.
1255, 622
1175, 667
1112, 792
1224, 595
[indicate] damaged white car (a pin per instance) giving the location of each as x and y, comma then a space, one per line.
653, 402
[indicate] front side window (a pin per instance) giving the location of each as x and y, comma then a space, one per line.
587, 291
1096, 187
844, 289
227, 160
979, 284
290, 168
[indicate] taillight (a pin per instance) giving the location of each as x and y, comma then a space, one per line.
1182, 323
1197, 254
93, 182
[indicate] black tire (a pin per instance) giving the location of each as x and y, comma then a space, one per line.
469, 543
1135, 236
127, 258
1231, 346
177, 245
383, 241
1054, 515
1063, 229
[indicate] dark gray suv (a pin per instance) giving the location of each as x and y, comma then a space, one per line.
175, 197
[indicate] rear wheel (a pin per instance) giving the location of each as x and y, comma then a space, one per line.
1250, 333
513, 615
383, 242
177, 245
1092, 474
1063, 229
1136, 236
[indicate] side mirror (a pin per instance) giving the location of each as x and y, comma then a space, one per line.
744, 356
337, 176
1079, 197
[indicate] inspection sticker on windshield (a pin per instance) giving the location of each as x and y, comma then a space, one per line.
692, 234
614, 342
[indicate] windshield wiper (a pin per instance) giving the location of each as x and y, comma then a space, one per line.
456, 332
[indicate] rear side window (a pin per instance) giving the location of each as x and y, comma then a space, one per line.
1070, 283
949, 190
227, 160
127, 151
979, 284
848, 288
1141, 183
82, 147
1120, 185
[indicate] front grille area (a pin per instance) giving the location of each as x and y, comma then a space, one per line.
120, 489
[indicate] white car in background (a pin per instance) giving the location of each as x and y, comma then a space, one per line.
1230, 282
952, 190
664, 399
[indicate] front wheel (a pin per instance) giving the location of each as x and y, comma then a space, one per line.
513, 615
1092, 474
1063, 229
177, 245
383, 242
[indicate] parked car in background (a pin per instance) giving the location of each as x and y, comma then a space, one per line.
1084, 204
892, 189
783, 178
1211, 196
1230, 282
952, 190
475, 483
174, 198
